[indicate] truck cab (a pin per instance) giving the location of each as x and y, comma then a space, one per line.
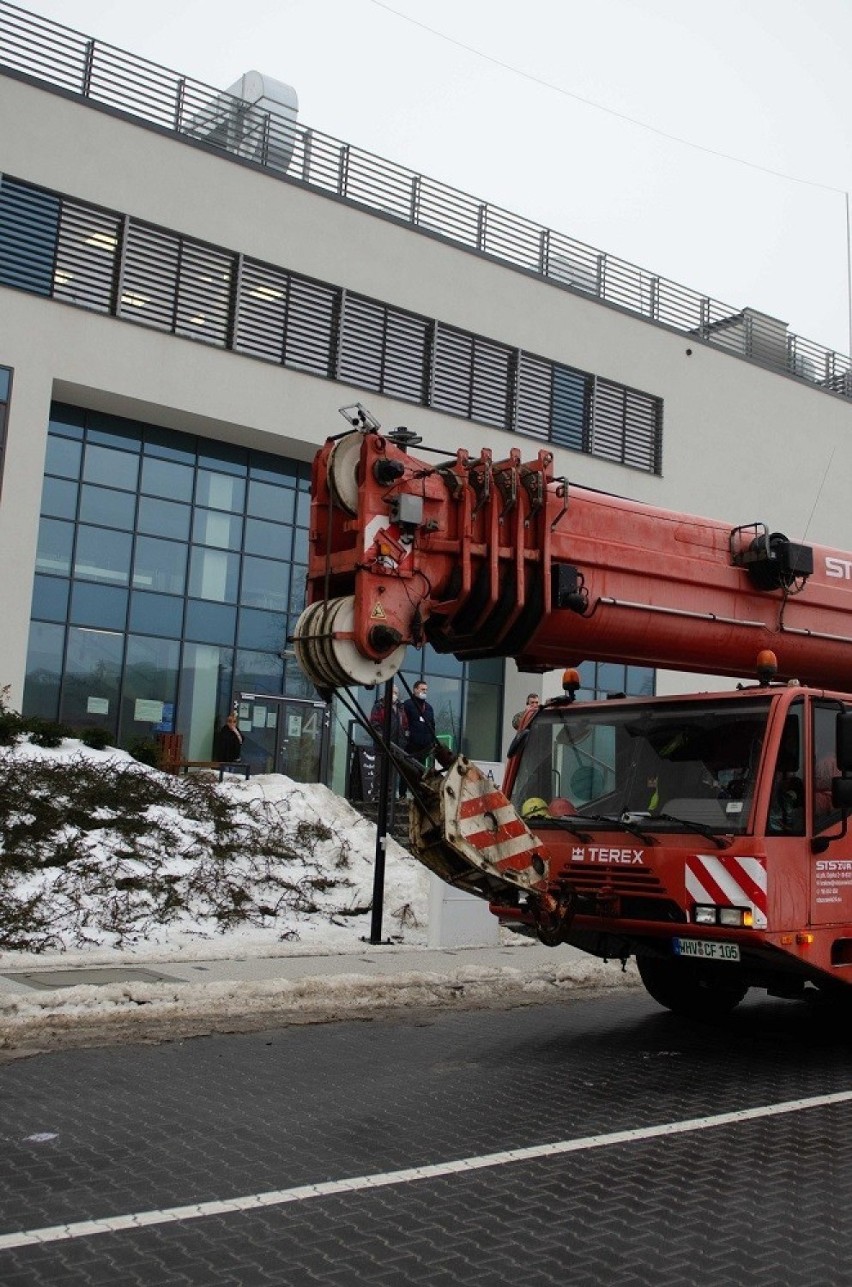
679, 825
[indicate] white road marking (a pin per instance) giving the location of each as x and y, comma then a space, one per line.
357, 1183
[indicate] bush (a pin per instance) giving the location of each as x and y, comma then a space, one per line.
45, 732
98, 739
145, 751
12, 726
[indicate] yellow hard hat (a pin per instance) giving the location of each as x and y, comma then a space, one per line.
534, 807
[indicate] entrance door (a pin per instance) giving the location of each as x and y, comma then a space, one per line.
285, 735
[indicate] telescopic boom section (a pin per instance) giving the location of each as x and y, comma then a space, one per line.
488, 558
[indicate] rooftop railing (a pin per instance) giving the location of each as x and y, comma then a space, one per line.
101, 74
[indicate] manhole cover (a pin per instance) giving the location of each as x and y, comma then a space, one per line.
74, 978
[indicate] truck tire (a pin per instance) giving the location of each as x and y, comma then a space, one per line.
691, 988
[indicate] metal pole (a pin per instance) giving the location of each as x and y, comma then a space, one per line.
382, 821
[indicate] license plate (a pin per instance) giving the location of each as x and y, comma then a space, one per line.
706, 949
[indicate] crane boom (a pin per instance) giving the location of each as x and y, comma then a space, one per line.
482, 557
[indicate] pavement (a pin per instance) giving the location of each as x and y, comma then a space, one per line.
164, 996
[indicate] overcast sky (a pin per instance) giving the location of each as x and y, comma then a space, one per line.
766, 81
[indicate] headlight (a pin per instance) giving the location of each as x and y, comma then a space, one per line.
705, 915
735, 917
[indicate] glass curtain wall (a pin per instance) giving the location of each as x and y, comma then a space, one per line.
170, 570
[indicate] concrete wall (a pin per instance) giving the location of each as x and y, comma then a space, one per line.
740, 443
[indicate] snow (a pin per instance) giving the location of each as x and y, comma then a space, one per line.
299, 965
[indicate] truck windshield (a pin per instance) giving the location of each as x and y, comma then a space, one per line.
685, 763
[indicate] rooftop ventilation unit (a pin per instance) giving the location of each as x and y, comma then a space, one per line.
255, 118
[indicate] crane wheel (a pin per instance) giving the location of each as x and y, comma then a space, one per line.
693, 989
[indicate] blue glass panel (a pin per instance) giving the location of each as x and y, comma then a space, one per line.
50, 598
5, 383
300, 545
156, 614
167, 479
29, 220
108, 507
488, 670
275, 503
63, 457
213, 527
150, 686
67, 421
220, 491
110, 467
55, 540
44, 669
113, 431
298, 585
169, 445
102, 557
163, 518
210, 622
445, 664
272, 539
262, 631
59, 498
570, 401
303, 509
213, 574
159, 565
611, 677
101, 606
640, 681
266, 584
222, 457
273, 469
259, 672
92, 674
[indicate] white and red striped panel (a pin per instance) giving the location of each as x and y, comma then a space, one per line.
495, 837
728, 880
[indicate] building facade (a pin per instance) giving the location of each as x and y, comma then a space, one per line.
190, 289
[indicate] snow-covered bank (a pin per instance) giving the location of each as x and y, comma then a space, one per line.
149, 862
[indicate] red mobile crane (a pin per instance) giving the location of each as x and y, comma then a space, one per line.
704, 834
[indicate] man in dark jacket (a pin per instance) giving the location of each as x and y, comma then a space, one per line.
398, 729
421, 723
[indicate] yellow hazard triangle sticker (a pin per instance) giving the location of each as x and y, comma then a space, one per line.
378, 613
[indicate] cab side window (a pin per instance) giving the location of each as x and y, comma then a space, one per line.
824, 765
787, 805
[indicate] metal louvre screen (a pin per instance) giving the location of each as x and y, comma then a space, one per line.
406, 358
626, 425
453, 371
532, 415
362, 342
204, 293
29, 219
149, 279
493, 368
86, 257
310, 332
641, 430
261, 311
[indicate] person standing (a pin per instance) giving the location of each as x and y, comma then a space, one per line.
398, 728
533, 703
230, 741
421, 723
